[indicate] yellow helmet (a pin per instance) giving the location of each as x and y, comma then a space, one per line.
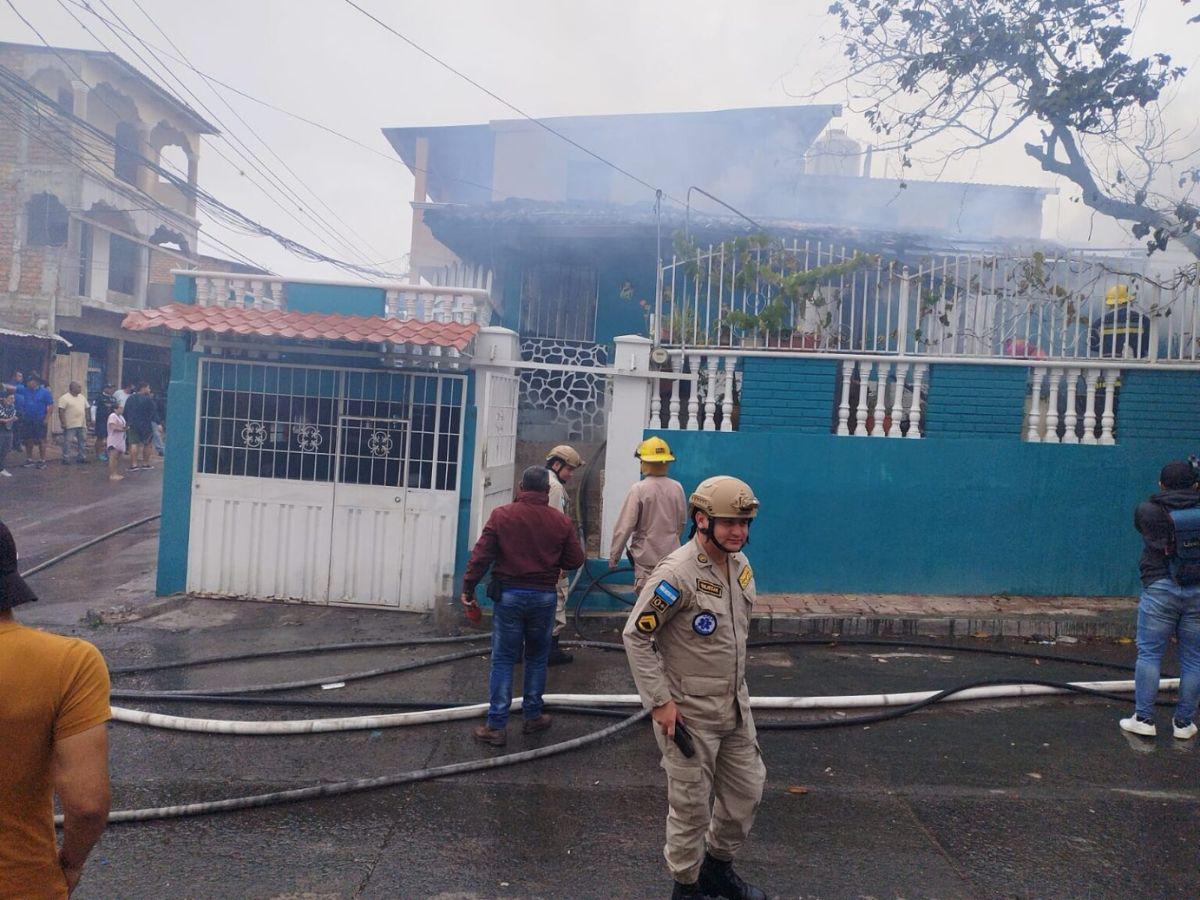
724, 497
567, 454
1116, 295
654, 450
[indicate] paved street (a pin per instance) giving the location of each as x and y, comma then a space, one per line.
1034, 799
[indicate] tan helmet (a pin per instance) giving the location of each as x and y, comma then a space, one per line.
724, 497
567, 454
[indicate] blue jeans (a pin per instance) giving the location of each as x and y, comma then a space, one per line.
1167, 609
522, 619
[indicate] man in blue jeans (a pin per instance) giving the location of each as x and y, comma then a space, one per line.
1167, 608
527, 545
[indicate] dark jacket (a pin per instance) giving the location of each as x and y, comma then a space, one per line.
141, 412
1151, 519
1118, 327
529, 543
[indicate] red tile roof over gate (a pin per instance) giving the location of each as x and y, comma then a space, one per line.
301, 326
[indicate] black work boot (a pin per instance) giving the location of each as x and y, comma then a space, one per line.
718, 879
558, 656
689, 892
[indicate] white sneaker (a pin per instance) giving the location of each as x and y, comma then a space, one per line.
1134, 725
1188, 731
5, 473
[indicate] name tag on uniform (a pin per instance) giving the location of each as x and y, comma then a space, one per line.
744, 578
708, 587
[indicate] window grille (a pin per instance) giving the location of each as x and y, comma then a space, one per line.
559, 301
317, 424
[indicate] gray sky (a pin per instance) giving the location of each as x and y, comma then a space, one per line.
324, 60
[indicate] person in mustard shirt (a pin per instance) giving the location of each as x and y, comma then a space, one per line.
686, 643
53, 741
653, 515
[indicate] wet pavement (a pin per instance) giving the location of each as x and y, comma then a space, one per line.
1040, 798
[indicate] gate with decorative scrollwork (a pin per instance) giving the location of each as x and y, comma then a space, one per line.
324, 485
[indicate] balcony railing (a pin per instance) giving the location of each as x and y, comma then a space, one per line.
465, 304
752, 296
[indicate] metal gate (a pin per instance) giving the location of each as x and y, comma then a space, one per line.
496, 447
322, 485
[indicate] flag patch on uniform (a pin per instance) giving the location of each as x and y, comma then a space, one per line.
708, 587
647, 623
666, 592
744, 578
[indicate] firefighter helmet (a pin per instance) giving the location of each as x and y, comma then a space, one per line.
654, 450
566, 454
1116, 295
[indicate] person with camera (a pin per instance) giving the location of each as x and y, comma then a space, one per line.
527, 545
686, 643
1169, 522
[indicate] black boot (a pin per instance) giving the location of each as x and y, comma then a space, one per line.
688, 892
558, 656
718, 879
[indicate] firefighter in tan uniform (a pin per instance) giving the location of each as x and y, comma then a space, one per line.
653, 515
686, 642
562, 461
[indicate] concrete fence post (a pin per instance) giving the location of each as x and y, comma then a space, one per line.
632, 387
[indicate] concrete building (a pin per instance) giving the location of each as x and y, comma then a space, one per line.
88, 230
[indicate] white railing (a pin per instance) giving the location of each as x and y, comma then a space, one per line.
699, 393
1071, 405
820, 298
881, 398
466, 303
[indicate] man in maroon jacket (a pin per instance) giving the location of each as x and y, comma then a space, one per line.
527, 545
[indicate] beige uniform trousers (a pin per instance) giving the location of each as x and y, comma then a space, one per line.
728, 772
560, 611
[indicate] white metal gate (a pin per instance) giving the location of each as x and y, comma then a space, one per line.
323, 485
496, 446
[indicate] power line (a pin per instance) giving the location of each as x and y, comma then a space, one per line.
499, 99
240, 148
226, 213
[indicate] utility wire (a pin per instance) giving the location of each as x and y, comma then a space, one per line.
471, 81
253, 161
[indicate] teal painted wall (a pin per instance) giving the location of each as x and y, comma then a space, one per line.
177, 470
936, 515
976, 401
788, 394
1159, 404
345, 300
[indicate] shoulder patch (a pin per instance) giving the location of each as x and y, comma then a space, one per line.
744, 578
647, 623
666, 592
709, 587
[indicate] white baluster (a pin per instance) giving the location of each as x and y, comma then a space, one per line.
898, 401
1107, 419
843, 426
673, 408
410, 306
1070, 417
655, 408
884, 370
727, 399
914, 405
391, 303
693, 405
203, 288
864, 382
710, 395
1052, 410
1034, 431
1090, 377
220, 292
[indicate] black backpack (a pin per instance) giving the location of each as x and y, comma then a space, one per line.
1183, 555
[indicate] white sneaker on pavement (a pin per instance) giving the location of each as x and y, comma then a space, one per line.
1185, 732
5, 473
1134, 725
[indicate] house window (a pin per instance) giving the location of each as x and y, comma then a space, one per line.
125, 161
558, 301
46, 220
66, 100
123, 256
